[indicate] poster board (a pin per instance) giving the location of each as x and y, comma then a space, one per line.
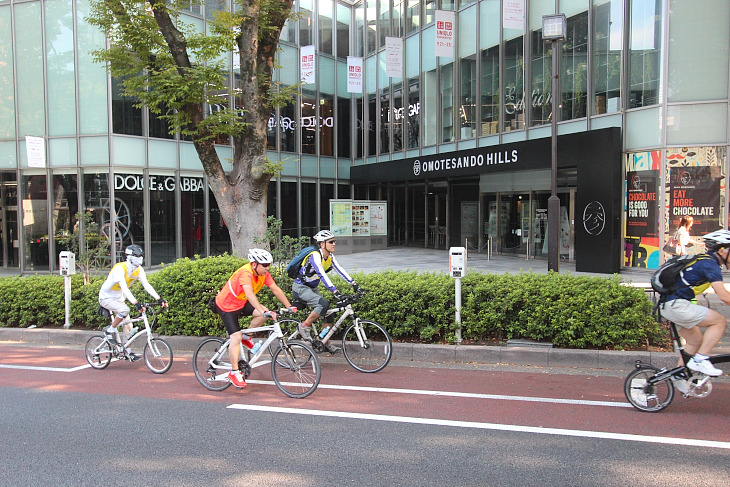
360, 218
341, 217
378, 218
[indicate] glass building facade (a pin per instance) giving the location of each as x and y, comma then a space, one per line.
649, 68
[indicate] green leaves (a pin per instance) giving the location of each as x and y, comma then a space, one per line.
569, 311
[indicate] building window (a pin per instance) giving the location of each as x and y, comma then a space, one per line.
309, 122
514, 89
35, 221
162, 219
645, 52
607, 46
343, 127
192, 213
126, 119
326, 125
413, 113
324, 7
574, 69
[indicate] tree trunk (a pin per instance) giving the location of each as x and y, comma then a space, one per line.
243, 209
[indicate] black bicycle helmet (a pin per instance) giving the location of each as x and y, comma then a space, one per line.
134, 250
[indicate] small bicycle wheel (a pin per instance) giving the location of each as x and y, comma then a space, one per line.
98, 352
367, 346
158, 356
645, 396
295, 370
211, 378
289, 328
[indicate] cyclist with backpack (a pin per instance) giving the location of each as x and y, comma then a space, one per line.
238, 297
314, 269
677, 306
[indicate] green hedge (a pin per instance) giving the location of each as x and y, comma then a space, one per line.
569, 311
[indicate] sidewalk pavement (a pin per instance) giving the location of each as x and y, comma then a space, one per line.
518, 352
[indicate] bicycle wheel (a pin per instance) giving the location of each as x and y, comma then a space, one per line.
158, 357
645, 396
289, 329
98, 352
211, 378
295, 370
374, 352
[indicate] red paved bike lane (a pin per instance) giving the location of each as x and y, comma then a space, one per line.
509, 398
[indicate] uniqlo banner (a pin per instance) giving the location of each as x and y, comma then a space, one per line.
354, 74
445, 33
394, 57
513, 14
307, 64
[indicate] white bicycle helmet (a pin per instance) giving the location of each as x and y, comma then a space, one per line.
260, 255
717, 240
323, 236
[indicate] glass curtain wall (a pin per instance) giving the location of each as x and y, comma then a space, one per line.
608, 21
645, 52
539, 96
514, 79
34, 204
489, 44
466, 114
574, 61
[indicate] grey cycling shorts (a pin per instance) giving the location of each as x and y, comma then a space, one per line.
684, 313
310, 297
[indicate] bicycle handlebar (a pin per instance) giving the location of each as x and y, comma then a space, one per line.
346, 299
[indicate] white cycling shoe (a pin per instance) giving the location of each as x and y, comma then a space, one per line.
704, 367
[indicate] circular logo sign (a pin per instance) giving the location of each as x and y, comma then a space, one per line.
416, 167
685, 177
636, 181
594, 218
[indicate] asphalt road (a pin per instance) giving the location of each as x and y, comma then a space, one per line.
65, 424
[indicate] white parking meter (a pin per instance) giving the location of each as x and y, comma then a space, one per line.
457, 261
67, 267
457, 269
67, 263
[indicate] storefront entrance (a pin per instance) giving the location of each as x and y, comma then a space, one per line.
8, 221
517, 224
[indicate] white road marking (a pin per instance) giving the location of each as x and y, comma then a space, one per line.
488, 426
45, 369
499, 397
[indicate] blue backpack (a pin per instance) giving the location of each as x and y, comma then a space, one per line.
293, 268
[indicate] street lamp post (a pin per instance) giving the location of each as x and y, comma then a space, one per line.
553, 31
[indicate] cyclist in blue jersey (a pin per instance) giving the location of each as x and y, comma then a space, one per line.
690, 317
314, 270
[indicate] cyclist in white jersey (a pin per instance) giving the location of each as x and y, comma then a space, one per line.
116, 288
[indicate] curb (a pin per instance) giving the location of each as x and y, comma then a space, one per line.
404, 352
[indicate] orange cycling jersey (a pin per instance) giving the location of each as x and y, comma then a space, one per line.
232, 297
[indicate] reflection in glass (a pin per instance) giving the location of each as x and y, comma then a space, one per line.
220, 240
35, 222
162, 219
65, 206
607, 45
645, 52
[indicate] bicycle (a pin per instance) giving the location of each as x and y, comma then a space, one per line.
367, 345
651, 389
294, 365
157, 352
